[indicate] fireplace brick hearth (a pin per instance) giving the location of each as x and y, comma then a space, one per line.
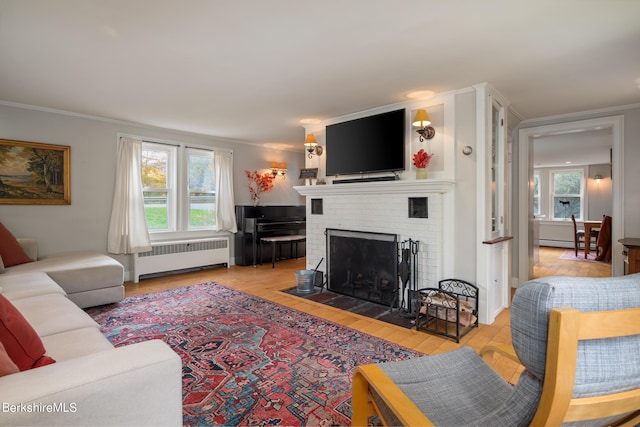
383, 207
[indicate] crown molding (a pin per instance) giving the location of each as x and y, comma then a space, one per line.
577, 115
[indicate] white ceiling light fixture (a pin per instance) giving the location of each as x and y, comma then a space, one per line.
420, 94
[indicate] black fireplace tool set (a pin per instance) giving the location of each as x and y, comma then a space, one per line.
408, 277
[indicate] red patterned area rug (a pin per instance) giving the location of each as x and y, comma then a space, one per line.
247, 361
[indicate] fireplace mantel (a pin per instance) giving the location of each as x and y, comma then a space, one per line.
439, 186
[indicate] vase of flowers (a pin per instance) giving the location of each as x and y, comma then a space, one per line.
259, 183
421, 160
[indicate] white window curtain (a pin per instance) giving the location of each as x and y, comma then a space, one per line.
128, 231
225, 209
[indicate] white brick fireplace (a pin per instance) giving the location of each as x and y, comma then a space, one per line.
383, 207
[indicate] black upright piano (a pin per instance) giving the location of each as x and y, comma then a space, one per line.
256, 222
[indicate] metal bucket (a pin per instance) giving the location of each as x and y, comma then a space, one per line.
304, 280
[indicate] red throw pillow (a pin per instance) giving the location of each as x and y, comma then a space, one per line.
20, 340
10, 250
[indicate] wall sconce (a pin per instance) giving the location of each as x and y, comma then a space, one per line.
312, 146
598, 177
278, 169
423, 122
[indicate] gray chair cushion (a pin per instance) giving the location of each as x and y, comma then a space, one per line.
454, 388
603, 367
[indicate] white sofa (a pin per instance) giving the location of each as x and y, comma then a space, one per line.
88, 278
91, 383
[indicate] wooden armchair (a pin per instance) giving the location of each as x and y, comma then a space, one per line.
578, 339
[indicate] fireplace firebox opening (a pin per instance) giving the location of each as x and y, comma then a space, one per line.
363, 265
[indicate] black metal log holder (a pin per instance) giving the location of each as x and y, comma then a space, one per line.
450, 310
408, 277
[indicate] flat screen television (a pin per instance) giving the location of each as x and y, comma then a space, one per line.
366, 145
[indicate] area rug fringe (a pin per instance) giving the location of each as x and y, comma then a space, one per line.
249, 361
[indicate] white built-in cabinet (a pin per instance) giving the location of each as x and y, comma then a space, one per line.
492, 187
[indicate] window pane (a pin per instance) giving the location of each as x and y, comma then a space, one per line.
567, 194
201, 190
536, 194
154, 169
154, 177
155, 210
567, 183
564, 207
495, 162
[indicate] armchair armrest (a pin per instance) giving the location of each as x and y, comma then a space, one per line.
505, 350
370, 380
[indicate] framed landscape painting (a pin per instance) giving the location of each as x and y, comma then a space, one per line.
34, 174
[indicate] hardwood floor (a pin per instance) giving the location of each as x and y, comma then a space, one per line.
551, 265
266, 282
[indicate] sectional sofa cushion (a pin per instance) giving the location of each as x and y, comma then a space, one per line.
7, 366
77, 271
28, 285
53, 314
79, 342
10, 250
22, 343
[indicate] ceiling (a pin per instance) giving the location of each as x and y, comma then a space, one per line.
577, 148
251, 70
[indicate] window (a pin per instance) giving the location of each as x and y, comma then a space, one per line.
536, 193
158, 183
178, 187
202, 188
567, 193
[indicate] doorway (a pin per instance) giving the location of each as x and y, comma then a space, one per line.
525, 189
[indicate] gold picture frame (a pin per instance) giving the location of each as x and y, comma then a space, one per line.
32, 173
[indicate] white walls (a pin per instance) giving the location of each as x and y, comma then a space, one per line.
600, 193
465, 194
83, 224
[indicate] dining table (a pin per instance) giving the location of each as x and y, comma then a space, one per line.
588, 227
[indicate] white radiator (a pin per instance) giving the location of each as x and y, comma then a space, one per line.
181, 254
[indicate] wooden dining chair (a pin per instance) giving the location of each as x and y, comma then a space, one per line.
604, 240
579, 238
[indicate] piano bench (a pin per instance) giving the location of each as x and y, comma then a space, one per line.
278, 240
